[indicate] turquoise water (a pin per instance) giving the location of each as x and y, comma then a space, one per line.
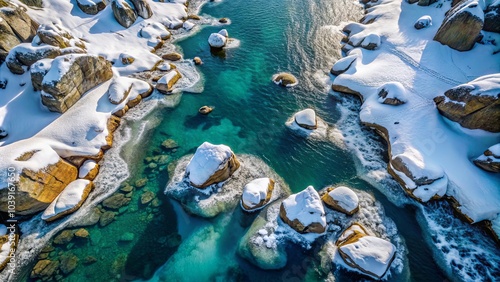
249, 116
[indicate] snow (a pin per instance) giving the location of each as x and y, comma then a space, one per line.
371, 254
344, 63
167, 77
86, 168
395, 90
59, 67
495, 149
188, 25
306, 207
423, 22
223, 32
306, 117
488, 85
4, 252
121, 84
345, 198
69, 198
371, 39
217, 40
255, 191
206, 161
426, 69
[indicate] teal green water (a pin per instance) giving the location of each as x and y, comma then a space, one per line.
249, 116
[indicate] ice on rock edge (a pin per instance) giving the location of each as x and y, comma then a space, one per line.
206, 161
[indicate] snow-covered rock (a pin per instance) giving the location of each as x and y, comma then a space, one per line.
492, 17
91, 7
224, 33
368, 254
26, 54
342, 199
490, 160
88, 170
392, 93
304, 212
343, 64
188, 25
257, 193
70, 199
423, 22
474, 105
58, 36
124, 14
118, 91
217, 40
306, 119
155, 31
20, 23
211, 164
142, 8
461, 26
285, 79
166, 83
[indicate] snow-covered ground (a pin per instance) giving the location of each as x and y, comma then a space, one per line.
416, 130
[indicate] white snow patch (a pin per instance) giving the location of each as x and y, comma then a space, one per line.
86, 168
206, 161
306, 207
68, 199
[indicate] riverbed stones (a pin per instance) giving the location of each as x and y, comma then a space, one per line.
141, 182
116, 201
68, 263
82, 233
106, 218
169, 144
64, 237
44, 269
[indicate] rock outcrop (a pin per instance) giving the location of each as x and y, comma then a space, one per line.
492, 17
166, 83
26, 55
462, 26
285, 79
33, 3
490, 160
124, 14
304, 212
91, 7
306, 119
257, 193
211, 164
474, 105
68, 78
69, 200
369, 254
341, 199
35, 190
58, 36
142, 8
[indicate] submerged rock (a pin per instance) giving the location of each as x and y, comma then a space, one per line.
44, 269
304, 212
147, 197
64, 237
369, 254
285, 79
211, 164
341, 199
116, 201
474, 105
106, 218
462, 26
257, 193
82, 233
343, 64
490, 160
68, 263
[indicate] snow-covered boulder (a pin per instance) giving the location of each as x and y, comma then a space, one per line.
224, 33
188, 25
217, 40
474, 105
285, 79
341, 199
142, 8
18, 20
126, 59
492, 17
58, 36
422, 179
490, 160
257, 193
370, 255
166, 82
371, 42
88, 170
304, 212
306, 119
70, 200
461, 26
155, 32
91, 7
123, 13
70, 76
423, 22
343, 65
392, 93
42, 176
118, 91
211, 164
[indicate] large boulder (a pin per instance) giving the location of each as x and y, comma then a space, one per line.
70, 200
341, 199
33, 3
166, 83
35, 190
123, 13
26, 54
56, 35
142, 8
217, 40
462, 26
306, 119
343, 64
392, 93
285, 79
257, 193
304, 212
490, 160
492, 17
474, 105
69, 77
211, 164
370, 255
91, 7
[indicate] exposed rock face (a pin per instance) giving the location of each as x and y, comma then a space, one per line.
369, 254
462, 26
341, 199
70, 200
166, 82
91, 7
492, 18
62, 89
26, 55
211, 164
142, 8
33, 3
37, 189
197, 61
58, 36
44, 269
426, 2
123, 13
285, 79
474, 105
257, 193
490, 160
304, 212
306, 119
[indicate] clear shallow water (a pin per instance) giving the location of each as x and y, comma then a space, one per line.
249, 116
